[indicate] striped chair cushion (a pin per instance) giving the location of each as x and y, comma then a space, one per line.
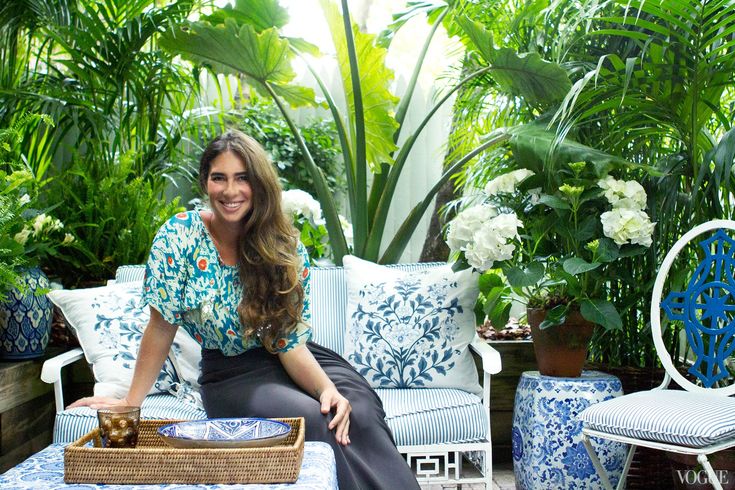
669, 416
434, 416
329, 303
71, 424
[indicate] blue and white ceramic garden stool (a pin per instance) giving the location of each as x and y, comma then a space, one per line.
547, 437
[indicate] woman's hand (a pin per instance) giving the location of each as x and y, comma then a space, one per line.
330, 399
96, 402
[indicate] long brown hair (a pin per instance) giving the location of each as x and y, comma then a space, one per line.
269, 265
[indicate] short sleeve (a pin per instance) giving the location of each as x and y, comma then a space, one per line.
302, 333
166, 270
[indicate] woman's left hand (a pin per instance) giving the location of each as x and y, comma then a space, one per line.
330, 399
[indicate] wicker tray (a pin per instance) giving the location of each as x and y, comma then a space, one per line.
152, 461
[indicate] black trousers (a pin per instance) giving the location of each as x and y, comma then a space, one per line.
255, 384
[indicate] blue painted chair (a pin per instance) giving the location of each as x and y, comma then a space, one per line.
700, 419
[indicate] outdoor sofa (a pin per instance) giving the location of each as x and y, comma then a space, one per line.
440, 431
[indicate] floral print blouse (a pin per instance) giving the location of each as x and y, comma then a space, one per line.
190, 286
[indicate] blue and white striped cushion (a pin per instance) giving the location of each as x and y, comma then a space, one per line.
71, 424
430, 416
129, 273
670, 416
433, 416
329, 303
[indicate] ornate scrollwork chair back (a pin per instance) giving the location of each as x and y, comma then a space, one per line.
698, 419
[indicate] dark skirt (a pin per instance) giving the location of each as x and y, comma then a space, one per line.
254, 384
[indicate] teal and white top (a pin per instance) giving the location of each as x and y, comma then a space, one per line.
187, 282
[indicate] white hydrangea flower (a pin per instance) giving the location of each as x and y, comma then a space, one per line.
625, 225
506, 183
493, 241
297, 202
623, 193
464, 225
484, 235
22, 236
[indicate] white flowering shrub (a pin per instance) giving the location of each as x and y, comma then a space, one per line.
552, 239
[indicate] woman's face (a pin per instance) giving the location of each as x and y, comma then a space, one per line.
228, 188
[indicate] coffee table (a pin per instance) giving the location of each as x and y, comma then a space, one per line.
45, 469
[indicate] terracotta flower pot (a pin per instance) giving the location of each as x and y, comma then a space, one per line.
560, 350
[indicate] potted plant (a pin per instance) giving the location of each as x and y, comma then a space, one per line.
550, 236
27, 235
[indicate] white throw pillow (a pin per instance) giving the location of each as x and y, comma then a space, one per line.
109, 322
411, 329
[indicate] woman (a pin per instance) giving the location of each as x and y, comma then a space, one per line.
235, 278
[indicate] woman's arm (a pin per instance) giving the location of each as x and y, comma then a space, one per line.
308, 374
154, 347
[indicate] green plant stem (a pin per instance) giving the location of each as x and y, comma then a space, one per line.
359, 213
334, 228
388, 191
398, 244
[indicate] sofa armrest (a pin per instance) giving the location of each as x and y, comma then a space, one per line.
51, 373
490, 357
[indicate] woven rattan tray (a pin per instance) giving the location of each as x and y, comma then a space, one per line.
152, 461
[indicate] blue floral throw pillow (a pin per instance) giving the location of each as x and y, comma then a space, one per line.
411, 329
109, 323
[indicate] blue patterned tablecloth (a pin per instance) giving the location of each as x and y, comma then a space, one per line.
45, 470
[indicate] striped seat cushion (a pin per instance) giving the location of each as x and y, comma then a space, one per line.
669, 416
71, 424
418, 416
434, 416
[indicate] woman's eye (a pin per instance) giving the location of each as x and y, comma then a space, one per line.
242, 178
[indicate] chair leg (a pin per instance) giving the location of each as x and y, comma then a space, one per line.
714, 480
596, 462
626, 467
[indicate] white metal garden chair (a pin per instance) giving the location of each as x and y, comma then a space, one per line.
701, 419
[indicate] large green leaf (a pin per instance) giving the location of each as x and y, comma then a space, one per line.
375, 78
534, 144
261, 14
601, 312
263, 57
576, 265
526, 75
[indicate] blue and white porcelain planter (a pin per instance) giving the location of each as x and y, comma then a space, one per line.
25, 318
547, 436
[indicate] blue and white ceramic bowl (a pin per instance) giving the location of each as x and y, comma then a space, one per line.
225, 433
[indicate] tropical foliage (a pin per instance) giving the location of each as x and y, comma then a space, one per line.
245, 39
117, 103
652, 86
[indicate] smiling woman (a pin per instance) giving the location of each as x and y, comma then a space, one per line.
236, 278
